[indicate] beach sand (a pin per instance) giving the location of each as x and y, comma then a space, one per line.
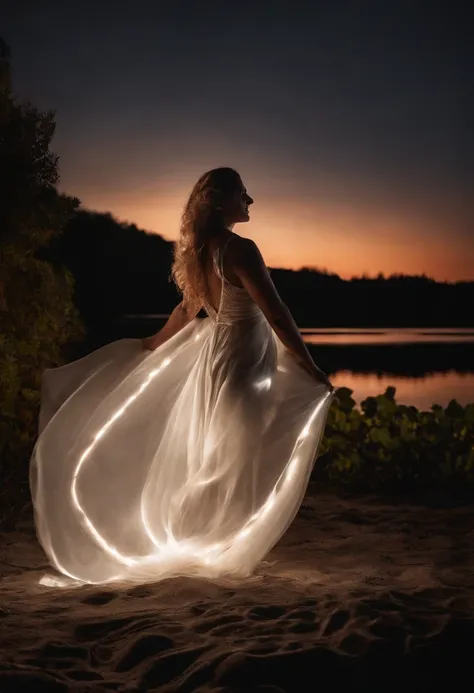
360, 592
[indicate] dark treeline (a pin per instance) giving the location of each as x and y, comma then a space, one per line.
121, 269
118, 268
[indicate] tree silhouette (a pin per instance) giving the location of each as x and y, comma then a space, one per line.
118, 268
37, 315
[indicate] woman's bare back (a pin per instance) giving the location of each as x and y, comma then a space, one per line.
225, 248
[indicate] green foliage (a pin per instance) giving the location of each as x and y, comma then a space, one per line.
37, 315
390, 445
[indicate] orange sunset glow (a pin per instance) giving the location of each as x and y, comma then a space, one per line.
291, 234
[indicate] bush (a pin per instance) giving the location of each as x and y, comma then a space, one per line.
37, 315
386, 445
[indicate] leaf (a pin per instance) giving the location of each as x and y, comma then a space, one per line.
470, 414
381, 435
29, 394
454, 410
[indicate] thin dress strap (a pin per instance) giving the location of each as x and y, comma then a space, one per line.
219, 259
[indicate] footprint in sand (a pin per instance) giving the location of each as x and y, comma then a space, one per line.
301, 615
304, 627
143, 648
336, 621
354, 644
265, 613
208, 625
169, 666
98, 629
53, 650
100, 598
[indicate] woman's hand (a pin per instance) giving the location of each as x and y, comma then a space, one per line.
321, 377
150, 343
316, 373
181, 316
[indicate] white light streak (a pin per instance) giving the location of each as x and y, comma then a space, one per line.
263, 385
100, 540
209, 555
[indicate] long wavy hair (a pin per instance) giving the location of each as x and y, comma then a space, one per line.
201, 221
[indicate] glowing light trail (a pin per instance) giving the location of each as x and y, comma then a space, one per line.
207, 554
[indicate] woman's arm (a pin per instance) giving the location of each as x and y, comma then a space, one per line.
179, 318
248, 265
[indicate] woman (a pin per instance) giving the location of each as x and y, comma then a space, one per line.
189, 452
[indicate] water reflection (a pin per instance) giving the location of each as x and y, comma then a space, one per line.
426, 366
435, 388
341, 335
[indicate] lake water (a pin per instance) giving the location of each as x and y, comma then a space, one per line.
392, 335
426, 366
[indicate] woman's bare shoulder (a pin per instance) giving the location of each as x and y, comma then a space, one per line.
241, 249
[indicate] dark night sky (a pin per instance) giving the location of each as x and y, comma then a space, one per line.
350, 122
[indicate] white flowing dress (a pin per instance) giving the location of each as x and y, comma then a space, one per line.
192, 459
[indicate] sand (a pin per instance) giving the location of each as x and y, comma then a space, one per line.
364, 593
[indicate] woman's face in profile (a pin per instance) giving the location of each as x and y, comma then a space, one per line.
237, 208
